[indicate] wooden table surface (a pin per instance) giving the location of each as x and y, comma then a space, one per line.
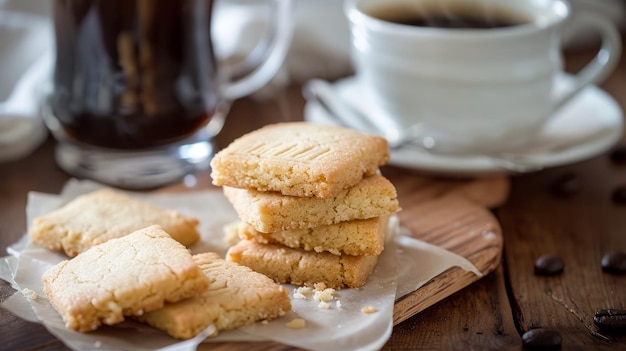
492, 313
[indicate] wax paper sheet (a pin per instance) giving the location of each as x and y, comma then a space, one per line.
341, 327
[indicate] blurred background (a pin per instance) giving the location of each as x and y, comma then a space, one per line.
320, 49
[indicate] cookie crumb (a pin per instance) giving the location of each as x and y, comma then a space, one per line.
303, 293
320, 294
368, 309
324, 295
30, 294
297, 323
320, 286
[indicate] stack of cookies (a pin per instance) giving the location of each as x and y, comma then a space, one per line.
313, 205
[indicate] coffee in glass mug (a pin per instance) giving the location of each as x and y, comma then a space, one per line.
138, 91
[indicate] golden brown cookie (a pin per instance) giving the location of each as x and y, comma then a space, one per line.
269, 212
126, 276
102, 215
299, 267
357, 237
299, 159
236, 296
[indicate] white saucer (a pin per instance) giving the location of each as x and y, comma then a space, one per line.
593, 116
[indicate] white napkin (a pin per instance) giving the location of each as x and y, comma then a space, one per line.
25, 65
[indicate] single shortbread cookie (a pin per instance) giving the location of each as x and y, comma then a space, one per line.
236, 296
102, 215
299, 159
298, 267
357, 237
269, 212
127, 276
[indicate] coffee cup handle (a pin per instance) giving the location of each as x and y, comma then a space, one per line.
275, 50
605, 61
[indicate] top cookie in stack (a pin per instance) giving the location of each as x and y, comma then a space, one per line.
313, 204
299, 159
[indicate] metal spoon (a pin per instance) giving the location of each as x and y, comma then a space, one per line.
347, 115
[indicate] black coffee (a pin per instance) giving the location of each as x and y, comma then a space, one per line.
453, 16
130, 74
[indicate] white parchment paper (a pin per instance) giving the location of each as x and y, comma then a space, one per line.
341, 327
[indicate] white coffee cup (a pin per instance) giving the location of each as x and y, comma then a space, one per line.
472, 89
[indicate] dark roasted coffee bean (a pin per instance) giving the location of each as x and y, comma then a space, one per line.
610, 319
542, 339
549, 265
619, 195
614, 262
566, 185
618, 155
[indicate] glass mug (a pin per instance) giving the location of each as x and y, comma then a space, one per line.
138, 92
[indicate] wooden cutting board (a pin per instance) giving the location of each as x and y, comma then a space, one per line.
455, 215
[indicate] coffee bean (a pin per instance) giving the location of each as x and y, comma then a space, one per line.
618, 155
610, 319
542, 339
549, 265
619, 195
566, 185
614, 262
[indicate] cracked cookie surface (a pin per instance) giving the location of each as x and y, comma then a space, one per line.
102, 215
126, 276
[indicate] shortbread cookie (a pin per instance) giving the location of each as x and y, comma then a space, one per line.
236, 296
299, 159
99, 216
299, 267
357, 237
126, 276
269, 212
